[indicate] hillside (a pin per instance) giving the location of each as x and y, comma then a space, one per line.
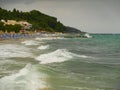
73, 30
38, 20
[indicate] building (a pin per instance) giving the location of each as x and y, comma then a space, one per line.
24, 24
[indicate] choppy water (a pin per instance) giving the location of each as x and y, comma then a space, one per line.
61, 64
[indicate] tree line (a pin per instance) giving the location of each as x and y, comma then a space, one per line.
38, 20
10, 28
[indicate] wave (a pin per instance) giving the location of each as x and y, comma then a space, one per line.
59, 55
26, 79
42, 47
49, 38
31, 42
12, 50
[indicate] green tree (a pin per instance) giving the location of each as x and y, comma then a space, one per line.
17, 28
13, 28
9, 28
2, 26
38, 19
60, 28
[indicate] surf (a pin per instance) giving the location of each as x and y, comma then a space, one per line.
30, 42
59, 55
13, 50
49, 38
43, 47
27, 78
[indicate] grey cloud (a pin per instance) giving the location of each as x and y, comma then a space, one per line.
5, 2
88, 15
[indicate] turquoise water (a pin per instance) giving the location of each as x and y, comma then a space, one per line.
61, 64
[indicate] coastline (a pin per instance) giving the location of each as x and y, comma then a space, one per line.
16, 36
29, 36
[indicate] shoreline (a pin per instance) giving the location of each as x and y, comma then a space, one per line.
24, 36
16, 36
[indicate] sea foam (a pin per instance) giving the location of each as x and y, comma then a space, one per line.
42, 47
49, 38
12, 50
30, 42
59, 55
26, 79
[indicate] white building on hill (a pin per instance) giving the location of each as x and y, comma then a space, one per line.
24, 24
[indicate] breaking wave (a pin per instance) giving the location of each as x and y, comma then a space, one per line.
31, 42
42, 47
12, 50
49, 38
59, 55
26, 79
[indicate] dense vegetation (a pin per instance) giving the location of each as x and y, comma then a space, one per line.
38, 20
73, 30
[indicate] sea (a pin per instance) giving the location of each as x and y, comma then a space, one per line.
61, 63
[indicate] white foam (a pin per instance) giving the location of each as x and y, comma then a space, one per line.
30, 42
82, 56
26, 79
12, 50
59, 55
42, 47
49, 38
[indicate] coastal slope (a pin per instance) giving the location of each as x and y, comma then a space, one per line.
38, 20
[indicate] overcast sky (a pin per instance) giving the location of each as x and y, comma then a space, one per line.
94, 16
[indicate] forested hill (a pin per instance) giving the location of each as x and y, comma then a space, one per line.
73, 30
38, 20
